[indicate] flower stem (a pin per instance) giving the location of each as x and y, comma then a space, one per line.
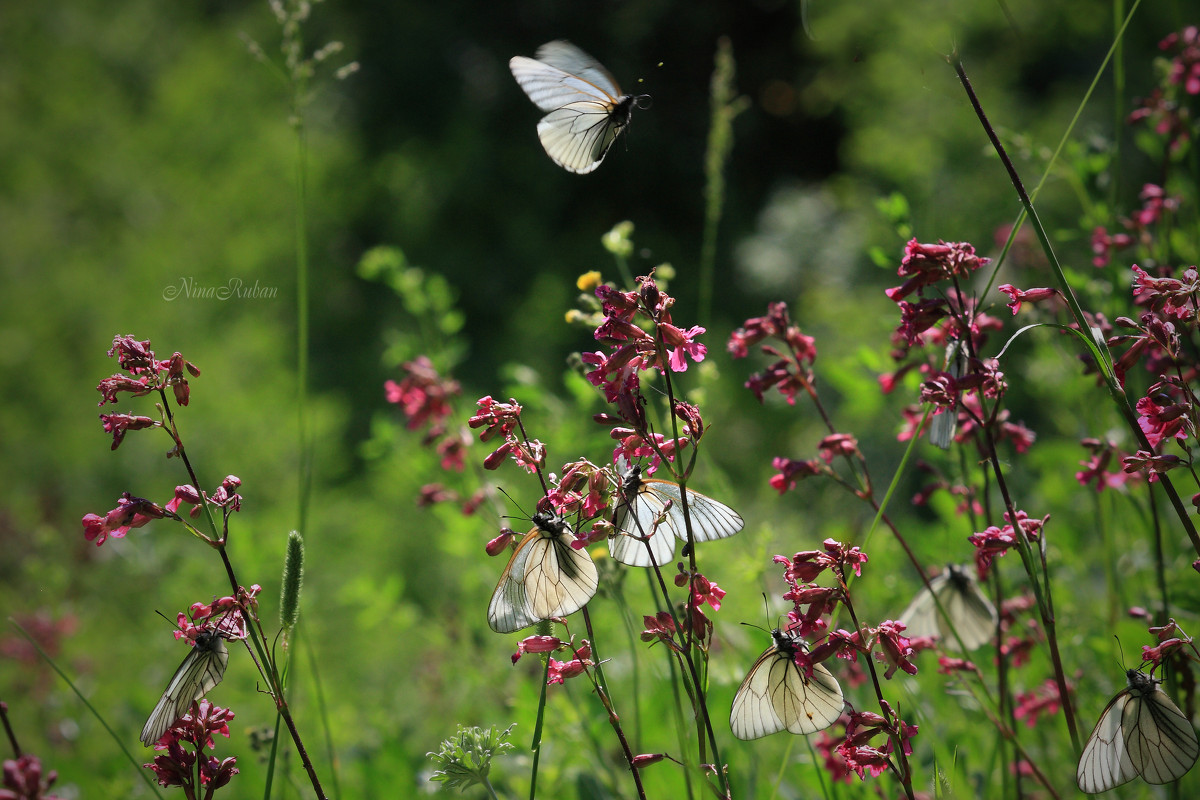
536, 746
1116, 391
903, 770
1042, 593
613, 718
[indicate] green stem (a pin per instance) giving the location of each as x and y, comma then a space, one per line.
323, 711
272, 758
302, 329
688, 649
536, 746
783, 765
634, 667
902, 768
1041, 588
680, 731
720, 141
613, 718
1116, 391
118, 739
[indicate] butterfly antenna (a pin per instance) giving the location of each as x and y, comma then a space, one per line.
515, 503
170, 621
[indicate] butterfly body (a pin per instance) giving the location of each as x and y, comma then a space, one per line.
972, 614
201, 670
1141, 732
642, 500
587, 110
777, 696
544, 578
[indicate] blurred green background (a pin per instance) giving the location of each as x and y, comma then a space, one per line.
145, 149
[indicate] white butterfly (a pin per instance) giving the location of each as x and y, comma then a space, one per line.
1141, 732
969, 610
200, 671
587, 109
776, 696
544, 578
641, 501
943, 425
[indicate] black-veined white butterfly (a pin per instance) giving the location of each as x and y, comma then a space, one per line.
1140, 732
972, 614
544, 578
587, 109
775, 696
200, 671
641, 501
943, 425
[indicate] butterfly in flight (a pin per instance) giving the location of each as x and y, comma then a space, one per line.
544, 578
1140, 732
972, 615
641, 501
201, 670
776, 696
586, 108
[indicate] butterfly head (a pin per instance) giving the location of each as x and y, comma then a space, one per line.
631, 479
958, 576
1140, 681
552, 524
785, 642
207, 639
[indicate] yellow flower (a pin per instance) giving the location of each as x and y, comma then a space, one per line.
588, 281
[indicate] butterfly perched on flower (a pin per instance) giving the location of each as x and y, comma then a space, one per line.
640, 502
1141, 732
970, 612
777, 696
201, 670
545, 577
587, 110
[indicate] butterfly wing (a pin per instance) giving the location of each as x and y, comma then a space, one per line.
711, 520
509, 609
545, 578
776, 696
921, 616
972, 614
634, 519
578, 135
1140, 732
550, 87
567, 57
1160, 740
753, 714
200, 671
811, 704
1105, 762
560, 580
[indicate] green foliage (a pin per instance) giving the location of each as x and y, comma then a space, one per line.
465, 760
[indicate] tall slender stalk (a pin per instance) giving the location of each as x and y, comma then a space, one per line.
536, 745
1116, 391
303, 434
725, 106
